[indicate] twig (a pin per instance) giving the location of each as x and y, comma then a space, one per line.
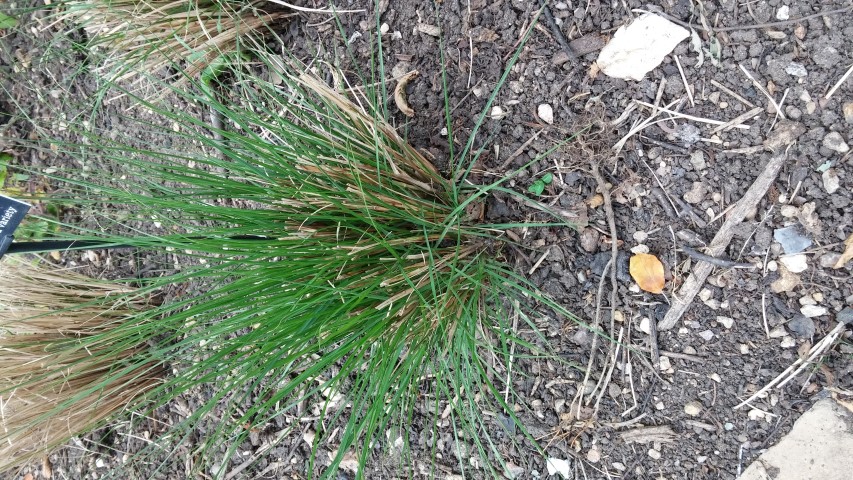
732, 93
764, 314
737, 120
665, 203
689, 117
756, 25
596, 322
653, 340
838, 83
763, 90
627, 423
558, 34
684, 79
720, 262
818, 349
539, 262
721, 240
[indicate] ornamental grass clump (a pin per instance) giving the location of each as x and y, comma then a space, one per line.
337, 266
188, 36
62, 369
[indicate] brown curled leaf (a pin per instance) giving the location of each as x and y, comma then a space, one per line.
400, 93
847, 255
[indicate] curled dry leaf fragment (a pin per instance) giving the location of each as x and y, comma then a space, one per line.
647, 271
400, 93
848, 253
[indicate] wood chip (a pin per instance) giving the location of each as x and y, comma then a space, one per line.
662, 434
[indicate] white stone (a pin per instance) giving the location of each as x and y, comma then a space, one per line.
640, 236
835, 142
665, 364
637, 249
831, 182
638, 48
788, 342
812, 310
706, 335
693, 408
778, 332
783, 13
654, 454
497, 113
727, 322
558, 465
795, 263
645, 326
546, 113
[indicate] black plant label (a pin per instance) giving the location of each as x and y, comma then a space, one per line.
11, 213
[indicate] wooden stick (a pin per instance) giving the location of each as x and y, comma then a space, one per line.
838, 83
732, 93
721, 240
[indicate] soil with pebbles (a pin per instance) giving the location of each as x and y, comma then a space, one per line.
666, 193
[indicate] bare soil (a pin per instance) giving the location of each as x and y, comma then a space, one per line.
721, 352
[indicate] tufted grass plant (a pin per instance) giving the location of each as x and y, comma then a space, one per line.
340, 269
138, 37
61, 369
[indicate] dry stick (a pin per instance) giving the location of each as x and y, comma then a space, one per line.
720, 262
763, 90
721, 240
732, 93
596, 322
689, 117
684, 79
737, 120
757, 25
614, 251
799, 365
558, 34
838, 83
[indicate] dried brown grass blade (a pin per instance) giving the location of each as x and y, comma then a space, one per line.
52, 386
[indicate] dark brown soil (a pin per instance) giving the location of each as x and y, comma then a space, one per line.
723, 331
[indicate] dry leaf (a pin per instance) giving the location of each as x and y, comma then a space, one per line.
400, 93
647, 271
595, 201
848, 253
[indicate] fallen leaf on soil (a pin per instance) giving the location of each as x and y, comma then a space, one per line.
595, 201
647, 271
400, 93
662, 434
638, 48
848, 253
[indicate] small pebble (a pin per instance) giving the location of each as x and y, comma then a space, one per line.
802, 326
715, 377
772, 266
654, 454
728, 426
828, 260
593, 455
690, 350
783, 13
811, 311
727, 322
693, 408
697, 159
847, 110
788, 342
665, 364
789, 211
640, 249
778, 332
831, 182
497, 113
644, 326
807, 300
744, 349
835, 142
706, 335
796, 69
696, 194
640, 236
795, 263
546, 113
